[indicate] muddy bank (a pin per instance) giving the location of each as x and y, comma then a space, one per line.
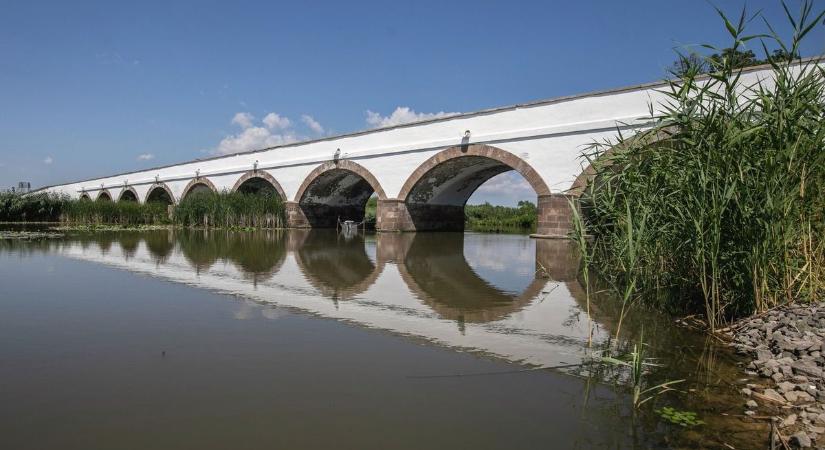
787, 351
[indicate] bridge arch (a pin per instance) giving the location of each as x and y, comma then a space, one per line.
85, 196
159, 193
437, 191
104, 196
333, 190
128, 194
197, 186
255, 181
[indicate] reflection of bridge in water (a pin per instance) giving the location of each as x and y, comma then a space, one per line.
420, 285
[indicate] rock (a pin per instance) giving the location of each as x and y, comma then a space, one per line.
817, 430
752, 404
792, 396
772, 395
747, 391
807, 369
786, 387
763, 355
777, 377
790, 420
800, 439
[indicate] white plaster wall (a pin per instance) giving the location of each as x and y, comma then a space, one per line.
549, 135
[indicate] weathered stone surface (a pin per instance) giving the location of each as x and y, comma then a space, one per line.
800, 439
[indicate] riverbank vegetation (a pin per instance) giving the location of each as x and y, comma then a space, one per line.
719, 207
226, 210
501, 219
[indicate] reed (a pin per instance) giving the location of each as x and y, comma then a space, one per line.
87, 212
226, 210
38, 207
719, 207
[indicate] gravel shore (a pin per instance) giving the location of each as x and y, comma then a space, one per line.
787, 351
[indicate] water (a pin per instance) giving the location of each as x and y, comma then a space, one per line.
308, 339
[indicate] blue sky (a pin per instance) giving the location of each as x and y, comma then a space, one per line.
90, 88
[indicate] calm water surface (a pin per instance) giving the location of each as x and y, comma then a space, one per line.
308, 339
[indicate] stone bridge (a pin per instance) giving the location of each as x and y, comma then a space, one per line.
423, 173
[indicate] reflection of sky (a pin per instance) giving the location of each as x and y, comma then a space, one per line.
507, 262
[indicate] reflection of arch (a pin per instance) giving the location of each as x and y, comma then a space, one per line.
128, 194
435, 270
338, 267
436, 192
197, 186
262, 175
104, 196
336, 190
160, 244
129, 241
159, 193
259, 255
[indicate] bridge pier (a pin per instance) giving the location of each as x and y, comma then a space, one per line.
295, 217
555, 217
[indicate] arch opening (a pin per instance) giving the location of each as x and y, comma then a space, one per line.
437, 192
198, 186
259, 182
159, 194
104, 196
85, 197
128, 195
336, 192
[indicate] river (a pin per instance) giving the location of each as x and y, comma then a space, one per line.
310, 339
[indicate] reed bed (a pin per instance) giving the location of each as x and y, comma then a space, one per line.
38, 207
123, 213
226, 210
719, 208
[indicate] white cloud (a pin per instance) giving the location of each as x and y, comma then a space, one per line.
312, 124
402, 114
252, 138
274, 121
508, 183
48, 160
243, 119
145, 156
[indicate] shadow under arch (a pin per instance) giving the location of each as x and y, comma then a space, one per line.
437, 191
104, 196
258, 181
200, 185
128, 194
337, 190
159, 193
337, 266
435, 269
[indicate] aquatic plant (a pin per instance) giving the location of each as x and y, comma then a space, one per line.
719, 207
678, 417
235, 209
37, 207
121, 213
638, 363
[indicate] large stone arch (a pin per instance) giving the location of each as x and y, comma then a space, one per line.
128, 194
503, 157
434, 195
194, 183
104, 195
161, 187
334, 190
263, 175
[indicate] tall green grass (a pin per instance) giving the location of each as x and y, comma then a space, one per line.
39, 207
719, 208
115, 213
262, 210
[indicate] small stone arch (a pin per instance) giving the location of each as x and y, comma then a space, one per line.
341, 165
85, 196
264, 175
333, 191
128, 194
104, 196
480, 150
161, 186
194, 183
